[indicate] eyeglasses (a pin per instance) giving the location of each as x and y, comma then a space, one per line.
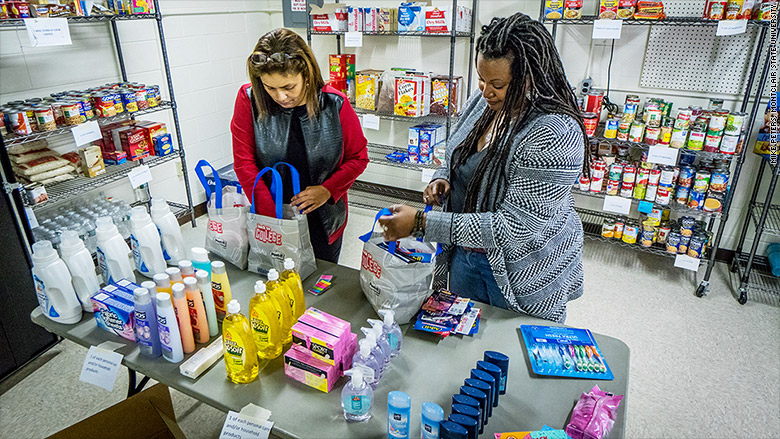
262, 59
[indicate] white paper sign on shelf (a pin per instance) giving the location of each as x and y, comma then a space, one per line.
48, 31
140, 175
298, 5
427, 175
353, 39
731, 27
101, 367
615, 204
686, 262
662, 155
370, 122
607, 29
86, 132
240, 426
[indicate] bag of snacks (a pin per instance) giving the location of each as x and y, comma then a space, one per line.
386, 100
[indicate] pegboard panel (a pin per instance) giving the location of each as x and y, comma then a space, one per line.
694, 59
684, 8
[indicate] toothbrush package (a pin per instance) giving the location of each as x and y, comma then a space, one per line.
565, 352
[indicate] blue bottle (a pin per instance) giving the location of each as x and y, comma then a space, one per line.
200, 260
493, 370
480, 397
488, 378
432, 415
399, 405
146, 323
502, 361
484, 387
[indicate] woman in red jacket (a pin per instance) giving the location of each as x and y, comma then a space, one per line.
288, 114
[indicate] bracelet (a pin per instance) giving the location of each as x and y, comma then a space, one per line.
418, 231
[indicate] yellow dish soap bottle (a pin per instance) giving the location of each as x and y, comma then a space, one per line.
266, 330
292, 280
238, 345
276, 290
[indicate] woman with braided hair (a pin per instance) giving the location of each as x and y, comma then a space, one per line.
510, 234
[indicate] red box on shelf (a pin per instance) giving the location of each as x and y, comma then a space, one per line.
135, 142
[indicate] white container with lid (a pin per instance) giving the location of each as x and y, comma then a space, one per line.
114, 257
145, 243
81, 267
170, 233
53, 287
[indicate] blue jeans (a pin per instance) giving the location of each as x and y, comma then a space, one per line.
472, 277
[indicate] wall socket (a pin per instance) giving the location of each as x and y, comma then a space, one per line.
585, 86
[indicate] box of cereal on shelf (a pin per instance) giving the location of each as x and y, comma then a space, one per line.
367, 89
412, 95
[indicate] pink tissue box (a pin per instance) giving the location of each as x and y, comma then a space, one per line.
310, 371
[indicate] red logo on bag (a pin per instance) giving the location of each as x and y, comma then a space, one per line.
265, 234
215, 226
371, 265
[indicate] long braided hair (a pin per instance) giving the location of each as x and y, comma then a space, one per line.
538, 82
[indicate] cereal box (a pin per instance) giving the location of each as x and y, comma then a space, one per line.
387, 20
371, 19
135, 142
440, 101
355, 19
367, 89
331, 17
553, 9
412, 95
411, 17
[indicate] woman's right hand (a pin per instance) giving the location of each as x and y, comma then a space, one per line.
436, 191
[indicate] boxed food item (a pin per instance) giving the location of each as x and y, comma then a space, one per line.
423, 140
35, 193
92, 161
342, 73
413, 148
441, 99
162, 145
355, 19
371, 19
153, 130
439, 19
135, 142
367, 89
330, 17
412, 95
608, 9
411, 17
626, 9
649, 10
573, 9
114, 157
387, 20
553, 9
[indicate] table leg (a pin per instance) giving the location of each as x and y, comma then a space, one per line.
132, 388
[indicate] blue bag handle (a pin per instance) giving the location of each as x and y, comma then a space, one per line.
392, 245
296, 177
217, 183
276, 182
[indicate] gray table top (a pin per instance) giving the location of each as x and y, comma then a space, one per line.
428, 369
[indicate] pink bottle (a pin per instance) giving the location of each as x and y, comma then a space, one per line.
183, 316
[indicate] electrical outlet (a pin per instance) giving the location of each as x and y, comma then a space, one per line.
585, 85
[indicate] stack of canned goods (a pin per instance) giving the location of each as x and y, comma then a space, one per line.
74, 107
684, 236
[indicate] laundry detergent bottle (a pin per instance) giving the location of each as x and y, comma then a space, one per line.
113, 254
145, 243
53, 287
292, 280
266, 329
170, 233
81, 267
239, 347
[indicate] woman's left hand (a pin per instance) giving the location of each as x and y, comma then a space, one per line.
310, 199
399, 224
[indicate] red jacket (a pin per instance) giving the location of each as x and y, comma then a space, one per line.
354, 158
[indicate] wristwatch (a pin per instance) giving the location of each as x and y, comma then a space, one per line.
418, 231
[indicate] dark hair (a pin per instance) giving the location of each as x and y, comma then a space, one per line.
284, 52
538, 82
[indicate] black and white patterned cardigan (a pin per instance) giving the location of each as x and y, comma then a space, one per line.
534, 237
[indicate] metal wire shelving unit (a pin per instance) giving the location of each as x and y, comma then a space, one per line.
81, 185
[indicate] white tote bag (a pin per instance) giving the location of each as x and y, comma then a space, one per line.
227, 209
272, 239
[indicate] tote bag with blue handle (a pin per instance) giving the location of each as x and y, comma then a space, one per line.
286, 235
227, 208
390, 282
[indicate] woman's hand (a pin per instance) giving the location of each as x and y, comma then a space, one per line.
310, 199
436, 191
399, 224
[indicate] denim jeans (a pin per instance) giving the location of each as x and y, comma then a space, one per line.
472, 277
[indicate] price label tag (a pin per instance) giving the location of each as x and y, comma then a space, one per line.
240, 426
427, 175
86, 132
370, 122
615, 204
663, 155
607, 29
101, 367
48, 31
139, 176
686, 262
731, 27
298, 5
353, 39
645, 207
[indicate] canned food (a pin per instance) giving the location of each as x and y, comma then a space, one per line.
696, 245
629, 111
655, 216
611, 128
679, 136
665, 137
683, 119
666, 176
59, 116
637, 132
655, 176
593, 102
19, 122
686, 225
152, 92
640, 188
696, 200
117, 98
712, 143
652, 134
729, 143
630, 233
654, 115
608, 228
648, 236
128, 100
619, 226
86, 105
71, 111
140, 99
616, 171
715, 10
719, 180
717, 122
734, 123
716, 104
629, 174
613, 187
685, 179
696, 140
701, 181
673, 242
584, 183
597, 168
591, 121
663, 195
623, 129
733, 9
682, 248
626, 189
44, 116
714, 201
663, 233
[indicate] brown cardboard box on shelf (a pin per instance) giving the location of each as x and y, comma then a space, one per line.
152, 407
92, 161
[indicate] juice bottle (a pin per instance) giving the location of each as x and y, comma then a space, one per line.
220, 287
277, 291
239, 348
292, 280
266, 330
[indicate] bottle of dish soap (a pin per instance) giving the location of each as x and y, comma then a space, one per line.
168, 228
239, 347
381, 338
81, 267
365, 360
292, 279
392, 330
356, 397
53, 286
145, 243
266, 329
277, 291
113, 254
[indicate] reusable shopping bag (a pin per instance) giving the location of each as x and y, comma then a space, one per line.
390, 282
227, 207
272, 239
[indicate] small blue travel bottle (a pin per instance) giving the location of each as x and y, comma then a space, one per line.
432, 415
399, 405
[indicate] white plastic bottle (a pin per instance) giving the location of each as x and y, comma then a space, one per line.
168, 328
367, 361
53, 286
81, 267
381, 338
169, 230
145, 242
393, 331
113, 254
356, 397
